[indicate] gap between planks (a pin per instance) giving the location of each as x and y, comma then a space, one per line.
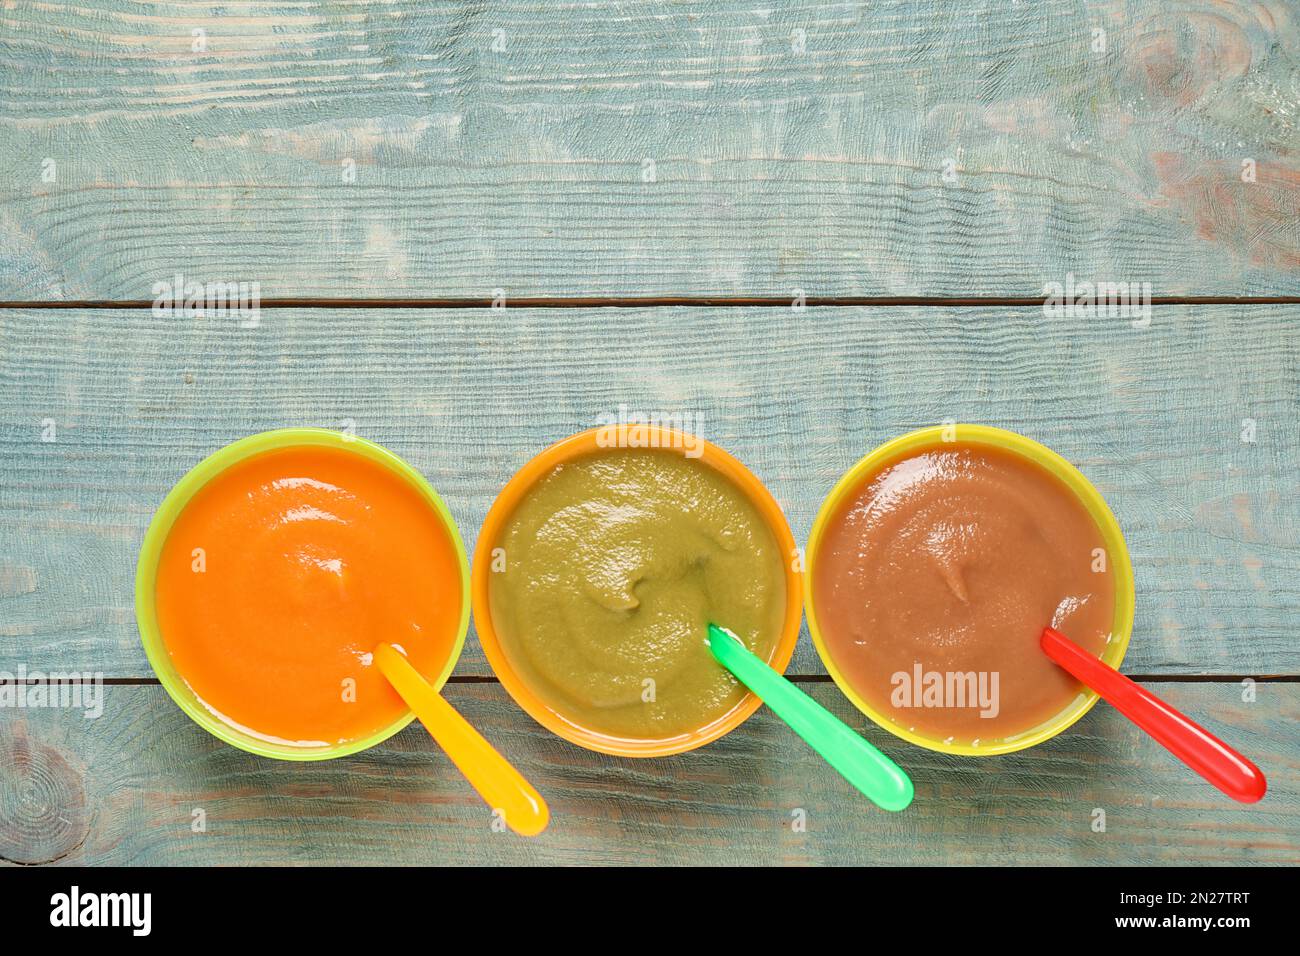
793, 678
640, 302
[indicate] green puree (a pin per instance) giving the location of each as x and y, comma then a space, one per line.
614, 565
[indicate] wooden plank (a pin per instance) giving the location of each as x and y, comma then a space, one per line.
797, 145
123, 789
1153, 416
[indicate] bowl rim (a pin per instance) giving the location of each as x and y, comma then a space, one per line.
595, 441
1026, 448
179, 497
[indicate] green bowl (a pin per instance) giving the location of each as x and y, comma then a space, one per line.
146, 572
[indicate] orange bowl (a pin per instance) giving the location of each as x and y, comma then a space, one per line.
595, 441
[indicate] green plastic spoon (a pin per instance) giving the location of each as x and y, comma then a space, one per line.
861, 764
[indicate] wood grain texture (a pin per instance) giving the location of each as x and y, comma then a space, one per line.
780, 162
132, 779
1153, 417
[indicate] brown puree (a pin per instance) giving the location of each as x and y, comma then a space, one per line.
934, 579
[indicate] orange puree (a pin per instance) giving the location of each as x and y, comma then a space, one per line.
935, 579
310, 557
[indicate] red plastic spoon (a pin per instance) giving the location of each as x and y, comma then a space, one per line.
1188, 741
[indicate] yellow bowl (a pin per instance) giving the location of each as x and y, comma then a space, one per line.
1112, 538
146, 576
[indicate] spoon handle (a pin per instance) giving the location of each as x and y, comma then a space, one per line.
861, 764
500, 784
1185, 739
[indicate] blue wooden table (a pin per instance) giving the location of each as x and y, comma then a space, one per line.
812, 225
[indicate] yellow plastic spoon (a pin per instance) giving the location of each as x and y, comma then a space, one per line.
500, 784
